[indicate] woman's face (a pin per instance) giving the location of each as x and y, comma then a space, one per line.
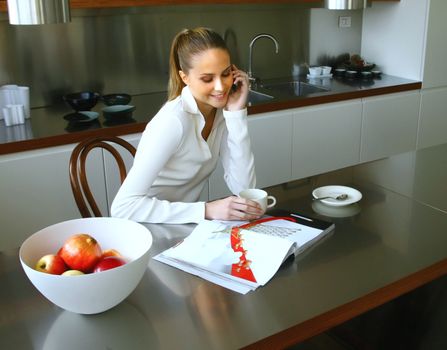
209, 79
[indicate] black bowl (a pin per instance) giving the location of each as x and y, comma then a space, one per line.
117, 112
351, 74
116, 99
82, 101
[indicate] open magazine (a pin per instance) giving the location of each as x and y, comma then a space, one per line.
242, 256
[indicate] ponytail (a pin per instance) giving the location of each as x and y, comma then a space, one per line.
186, 44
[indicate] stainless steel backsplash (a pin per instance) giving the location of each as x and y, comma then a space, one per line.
127, 49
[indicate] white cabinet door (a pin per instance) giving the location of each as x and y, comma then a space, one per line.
271, 142
389, 125
35, 191
326, 138
435, 72
433, 118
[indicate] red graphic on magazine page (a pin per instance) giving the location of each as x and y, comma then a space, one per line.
242, 268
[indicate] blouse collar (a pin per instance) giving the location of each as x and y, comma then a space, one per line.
189, 105
188, 101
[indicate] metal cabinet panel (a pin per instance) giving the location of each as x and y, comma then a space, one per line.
326, 138
389, 125
35, 191
433, 119
271, 142
435, 74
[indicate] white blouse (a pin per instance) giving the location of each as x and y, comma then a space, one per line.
173, 162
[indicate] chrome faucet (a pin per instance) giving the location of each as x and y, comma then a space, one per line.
251, 78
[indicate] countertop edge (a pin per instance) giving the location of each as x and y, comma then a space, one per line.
125, 129
343, 313
329, 98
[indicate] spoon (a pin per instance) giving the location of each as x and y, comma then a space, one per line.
340, 197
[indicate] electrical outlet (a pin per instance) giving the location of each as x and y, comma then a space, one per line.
344, 21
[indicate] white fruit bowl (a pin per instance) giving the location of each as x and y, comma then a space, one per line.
96, 292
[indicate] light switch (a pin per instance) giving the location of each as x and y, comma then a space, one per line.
344, 21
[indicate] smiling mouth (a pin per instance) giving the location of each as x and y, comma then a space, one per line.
219, 96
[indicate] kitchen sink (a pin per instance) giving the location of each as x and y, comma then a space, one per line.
269, 90
257, 97
292, 88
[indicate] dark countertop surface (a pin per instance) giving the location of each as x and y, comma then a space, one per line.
48, 128
388, 244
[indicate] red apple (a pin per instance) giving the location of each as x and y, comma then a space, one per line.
52, 264
111, 252
81, 252
108, 263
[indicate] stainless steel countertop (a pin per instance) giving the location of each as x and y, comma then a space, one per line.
391, 242
47, 127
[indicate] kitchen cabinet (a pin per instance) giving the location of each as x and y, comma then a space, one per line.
435, 72
35, 191
389, 125
271, 141
287, 145
326, 138
433, 117
408, 40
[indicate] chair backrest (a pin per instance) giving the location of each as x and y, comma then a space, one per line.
77, 168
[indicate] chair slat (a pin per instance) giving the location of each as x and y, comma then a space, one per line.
82, 193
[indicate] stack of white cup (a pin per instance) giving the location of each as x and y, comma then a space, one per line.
321, 71
14, 104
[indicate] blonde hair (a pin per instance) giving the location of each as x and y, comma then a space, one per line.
186, 44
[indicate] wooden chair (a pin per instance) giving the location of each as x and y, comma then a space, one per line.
77, 168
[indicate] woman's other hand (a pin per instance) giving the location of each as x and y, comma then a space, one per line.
237, 98
233, 208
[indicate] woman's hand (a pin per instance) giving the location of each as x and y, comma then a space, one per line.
237, 98
233, 208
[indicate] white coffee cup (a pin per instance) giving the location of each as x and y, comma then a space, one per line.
326, 70
315, 71
14, 114
259, 196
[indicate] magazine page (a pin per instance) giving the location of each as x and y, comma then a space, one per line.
212, 251
241, 286
242, 256
302, 230
302, 235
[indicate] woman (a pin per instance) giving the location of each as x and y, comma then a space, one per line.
205, 117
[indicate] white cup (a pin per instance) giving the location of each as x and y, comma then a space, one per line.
14, 114
23, 97
326, 70
315, 71
259, 196
14, 95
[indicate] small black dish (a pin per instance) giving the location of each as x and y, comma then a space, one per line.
339, 71
81, 101
116, 99
366, 75
376, 73
117, 112
351, 74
